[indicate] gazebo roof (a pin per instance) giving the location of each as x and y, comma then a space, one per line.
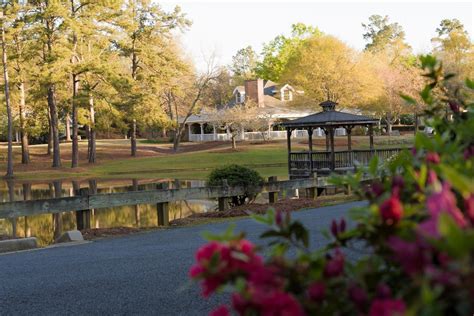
329, 116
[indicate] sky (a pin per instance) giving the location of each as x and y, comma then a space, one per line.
222, 27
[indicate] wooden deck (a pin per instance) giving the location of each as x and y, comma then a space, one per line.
304, 163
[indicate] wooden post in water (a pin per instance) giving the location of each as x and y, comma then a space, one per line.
26, 197
162, 212
162, 209
272, 196
347, 189
83, 217
311, 192
137, 207
57, 217
223, 202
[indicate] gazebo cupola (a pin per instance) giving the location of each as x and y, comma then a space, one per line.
328, 105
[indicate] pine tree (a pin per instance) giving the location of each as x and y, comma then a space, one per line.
143, 25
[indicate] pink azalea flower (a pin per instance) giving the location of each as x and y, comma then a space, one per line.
433, 157
432, 177
391, 210
387, 307
358, 296
469, 152
316, 291
469, 207
335, 265
443, 201
412, 256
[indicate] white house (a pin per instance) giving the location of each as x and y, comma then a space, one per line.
273, 100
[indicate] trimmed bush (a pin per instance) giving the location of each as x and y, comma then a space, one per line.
236, 176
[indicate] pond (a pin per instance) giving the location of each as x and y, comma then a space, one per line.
45, 227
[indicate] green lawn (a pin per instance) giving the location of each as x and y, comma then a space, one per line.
197, 165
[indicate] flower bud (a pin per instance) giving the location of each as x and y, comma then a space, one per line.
278, 218
316, 291
454, 106
334, 230
342, 225
383, 291
433, 157
391, 210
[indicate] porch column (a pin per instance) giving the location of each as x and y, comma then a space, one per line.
371, 136
310, 147
189, 132
288, 144
202, 131
214, 132
333, 158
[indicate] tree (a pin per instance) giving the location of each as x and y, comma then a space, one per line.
6, 83
236, 119
21, 56
453, 46
278, 51
244, 63
395, 78
186, 97
49, 22
220, 89
143, 26
384, 36
327, 69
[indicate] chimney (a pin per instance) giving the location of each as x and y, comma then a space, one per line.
254, 91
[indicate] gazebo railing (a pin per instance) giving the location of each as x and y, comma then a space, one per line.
301, 164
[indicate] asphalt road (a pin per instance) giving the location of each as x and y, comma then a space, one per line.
144, 274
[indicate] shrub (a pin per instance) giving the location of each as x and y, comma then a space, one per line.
237, 176
415, 238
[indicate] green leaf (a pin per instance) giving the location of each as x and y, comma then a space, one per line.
300, 232
459, 181
227, 235
408, 99
373, 165
470, 83
456, 243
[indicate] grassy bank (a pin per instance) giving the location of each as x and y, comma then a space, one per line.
195, 161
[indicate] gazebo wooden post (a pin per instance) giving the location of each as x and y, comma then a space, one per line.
349, 138
326, 132
310, 147
371, 136
288, 143
333, 158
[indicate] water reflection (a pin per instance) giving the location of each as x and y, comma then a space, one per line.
47, 227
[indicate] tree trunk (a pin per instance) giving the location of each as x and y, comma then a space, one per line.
75, 140
9, 173
54, 127
57, 217
68, 127
92, 143
133, 138
234, 142
25, 150
49, 150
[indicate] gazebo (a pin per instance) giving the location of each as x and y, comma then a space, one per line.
302, 164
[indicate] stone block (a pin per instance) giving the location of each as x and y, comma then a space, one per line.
70, 236
18, 244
